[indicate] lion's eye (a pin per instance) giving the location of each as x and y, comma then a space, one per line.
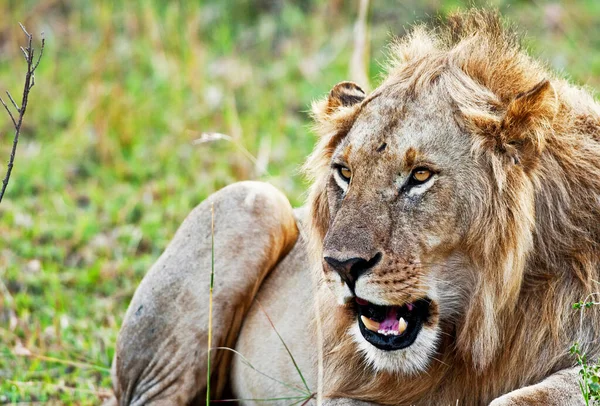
421, 175
345, 173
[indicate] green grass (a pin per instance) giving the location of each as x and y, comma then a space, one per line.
107, 167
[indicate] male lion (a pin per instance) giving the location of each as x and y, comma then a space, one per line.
453, 219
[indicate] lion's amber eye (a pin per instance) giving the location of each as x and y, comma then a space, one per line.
421, 174
345, 173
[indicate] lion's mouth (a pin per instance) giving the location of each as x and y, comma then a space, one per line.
392, 328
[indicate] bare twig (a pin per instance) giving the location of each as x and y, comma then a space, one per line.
29, 53
9, 113
13, 102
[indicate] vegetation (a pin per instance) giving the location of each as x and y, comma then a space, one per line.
589, 370
108, 167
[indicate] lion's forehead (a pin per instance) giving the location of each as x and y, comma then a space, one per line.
389, 128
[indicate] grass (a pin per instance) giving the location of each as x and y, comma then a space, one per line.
107, 167
302, 396
210, 300
589, 369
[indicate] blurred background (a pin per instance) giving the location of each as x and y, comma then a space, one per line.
108, 163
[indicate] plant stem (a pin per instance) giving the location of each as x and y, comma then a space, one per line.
210, 299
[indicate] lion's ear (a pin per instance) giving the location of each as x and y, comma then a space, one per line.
335, 114
344, 94
528, 117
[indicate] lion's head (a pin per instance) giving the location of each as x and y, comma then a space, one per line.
423, 202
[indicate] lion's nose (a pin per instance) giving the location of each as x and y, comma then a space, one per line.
351, 269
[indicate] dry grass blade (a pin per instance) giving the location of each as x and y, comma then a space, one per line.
360, 54
215, 136
249, 364
211, 137
286, 348
62, 361
304, 401
320, 368
100, 393
210, 300
261, 400
308, 400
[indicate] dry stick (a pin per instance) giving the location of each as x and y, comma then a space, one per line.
210, 299
29, 83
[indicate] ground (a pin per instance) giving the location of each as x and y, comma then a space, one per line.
108, 164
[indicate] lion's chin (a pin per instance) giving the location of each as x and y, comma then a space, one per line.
410, 360
396, 338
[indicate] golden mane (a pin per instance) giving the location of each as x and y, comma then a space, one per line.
537, 238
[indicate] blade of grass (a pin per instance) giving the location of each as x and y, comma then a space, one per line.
249, 364
210, 299
97, 392
304, 401
261, 400
320, 368
214, 136
359, 63
308, 399
286, 348
65, 362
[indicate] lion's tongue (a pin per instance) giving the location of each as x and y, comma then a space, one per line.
390, 323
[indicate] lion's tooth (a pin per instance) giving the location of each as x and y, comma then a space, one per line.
401, 325
370, 324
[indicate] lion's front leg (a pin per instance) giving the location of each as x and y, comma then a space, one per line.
161, 354
560, 389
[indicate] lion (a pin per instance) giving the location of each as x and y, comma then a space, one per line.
452, 221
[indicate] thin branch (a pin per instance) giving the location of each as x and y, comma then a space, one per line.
41, 52
25, 31
25, 53
13, 102
8, 111
29, 53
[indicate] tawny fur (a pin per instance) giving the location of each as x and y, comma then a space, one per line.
534, 238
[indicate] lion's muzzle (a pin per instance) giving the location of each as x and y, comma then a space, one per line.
392, 327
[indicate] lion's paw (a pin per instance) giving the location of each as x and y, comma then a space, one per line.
540, 395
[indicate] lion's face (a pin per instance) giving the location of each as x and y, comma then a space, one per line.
398, 194
422, 219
